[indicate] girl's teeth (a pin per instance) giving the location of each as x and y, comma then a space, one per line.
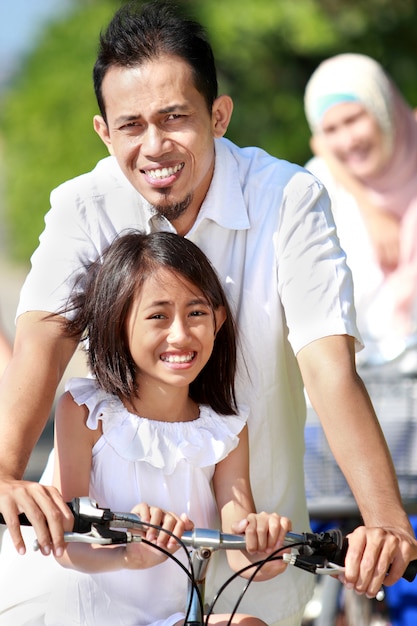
178, 358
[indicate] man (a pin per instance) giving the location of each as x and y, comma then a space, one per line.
5, 351
266, 225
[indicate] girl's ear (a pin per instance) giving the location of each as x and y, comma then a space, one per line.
219, 318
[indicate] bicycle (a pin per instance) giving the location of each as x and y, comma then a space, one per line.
392, 386
317, 553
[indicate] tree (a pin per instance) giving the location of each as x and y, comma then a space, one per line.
265, 51
46, 121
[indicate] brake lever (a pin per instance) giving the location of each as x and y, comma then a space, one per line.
98, 534
312, 565
330, 569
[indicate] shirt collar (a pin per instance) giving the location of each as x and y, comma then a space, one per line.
224, 202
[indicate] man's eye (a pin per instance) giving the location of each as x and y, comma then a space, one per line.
130, 126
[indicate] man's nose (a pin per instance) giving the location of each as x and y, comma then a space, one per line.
153, 141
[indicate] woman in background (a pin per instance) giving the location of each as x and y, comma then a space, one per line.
364, 136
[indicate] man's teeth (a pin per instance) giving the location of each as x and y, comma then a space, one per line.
176, 358
164, 172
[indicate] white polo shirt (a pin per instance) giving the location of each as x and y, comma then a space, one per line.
267, 227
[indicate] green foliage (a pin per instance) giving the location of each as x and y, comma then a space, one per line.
265, 51
46, 121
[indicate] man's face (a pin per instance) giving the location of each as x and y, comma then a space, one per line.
162, 134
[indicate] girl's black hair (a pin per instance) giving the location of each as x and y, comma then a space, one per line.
100, 308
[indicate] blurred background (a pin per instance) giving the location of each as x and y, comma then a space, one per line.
265, 50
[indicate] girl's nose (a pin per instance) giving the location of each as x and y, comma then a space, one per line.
179, 332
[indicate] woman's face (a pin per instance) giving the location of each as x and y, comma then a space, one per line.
355, 138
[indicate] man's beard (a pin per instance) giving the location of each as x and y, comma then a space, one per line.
174, 211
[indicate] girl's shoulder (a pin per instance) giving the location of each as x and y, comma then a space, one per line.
208, 418
87, 392
201, 442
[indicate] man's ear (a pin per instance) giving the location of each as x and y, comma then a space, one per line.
102, 130
221, 114
219, 317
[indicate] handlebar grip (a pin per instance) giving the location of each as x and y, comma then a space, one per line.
79, 524
23, 520
336, 545
410, 571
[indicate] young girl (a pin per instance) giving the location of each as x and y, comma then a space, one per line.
156, 431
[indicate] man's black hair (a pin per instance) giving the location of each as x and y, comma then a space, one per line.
139, 33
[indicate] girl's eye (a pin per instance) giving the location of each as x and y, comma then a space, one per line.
198, 313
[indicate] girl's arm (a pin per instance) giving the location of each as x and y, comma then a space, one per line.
264, 532
73, 452
72, 448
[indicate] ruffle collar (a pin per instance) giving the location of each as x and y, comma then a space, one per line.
202, 442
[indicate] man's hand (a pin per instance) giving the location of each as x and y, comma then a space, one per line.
372, 553
44, 508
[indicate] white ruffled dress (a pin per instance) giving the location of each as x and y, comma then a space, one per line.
167, 464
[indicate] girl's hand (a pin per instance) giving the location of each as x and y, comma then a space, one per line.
139, 555
264, 533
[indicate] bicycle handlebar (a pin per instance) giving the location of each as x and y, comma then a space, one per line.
317, 553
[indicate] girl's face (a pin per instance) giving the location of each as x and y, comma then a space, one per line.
171, 330
355, 138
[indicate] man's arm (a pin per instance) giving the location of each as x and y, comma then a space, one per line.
40, 356
5, 351
340, 399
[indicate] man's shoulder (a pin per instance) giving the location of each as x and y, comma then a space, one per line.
102, 179
319, 168
255, 163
